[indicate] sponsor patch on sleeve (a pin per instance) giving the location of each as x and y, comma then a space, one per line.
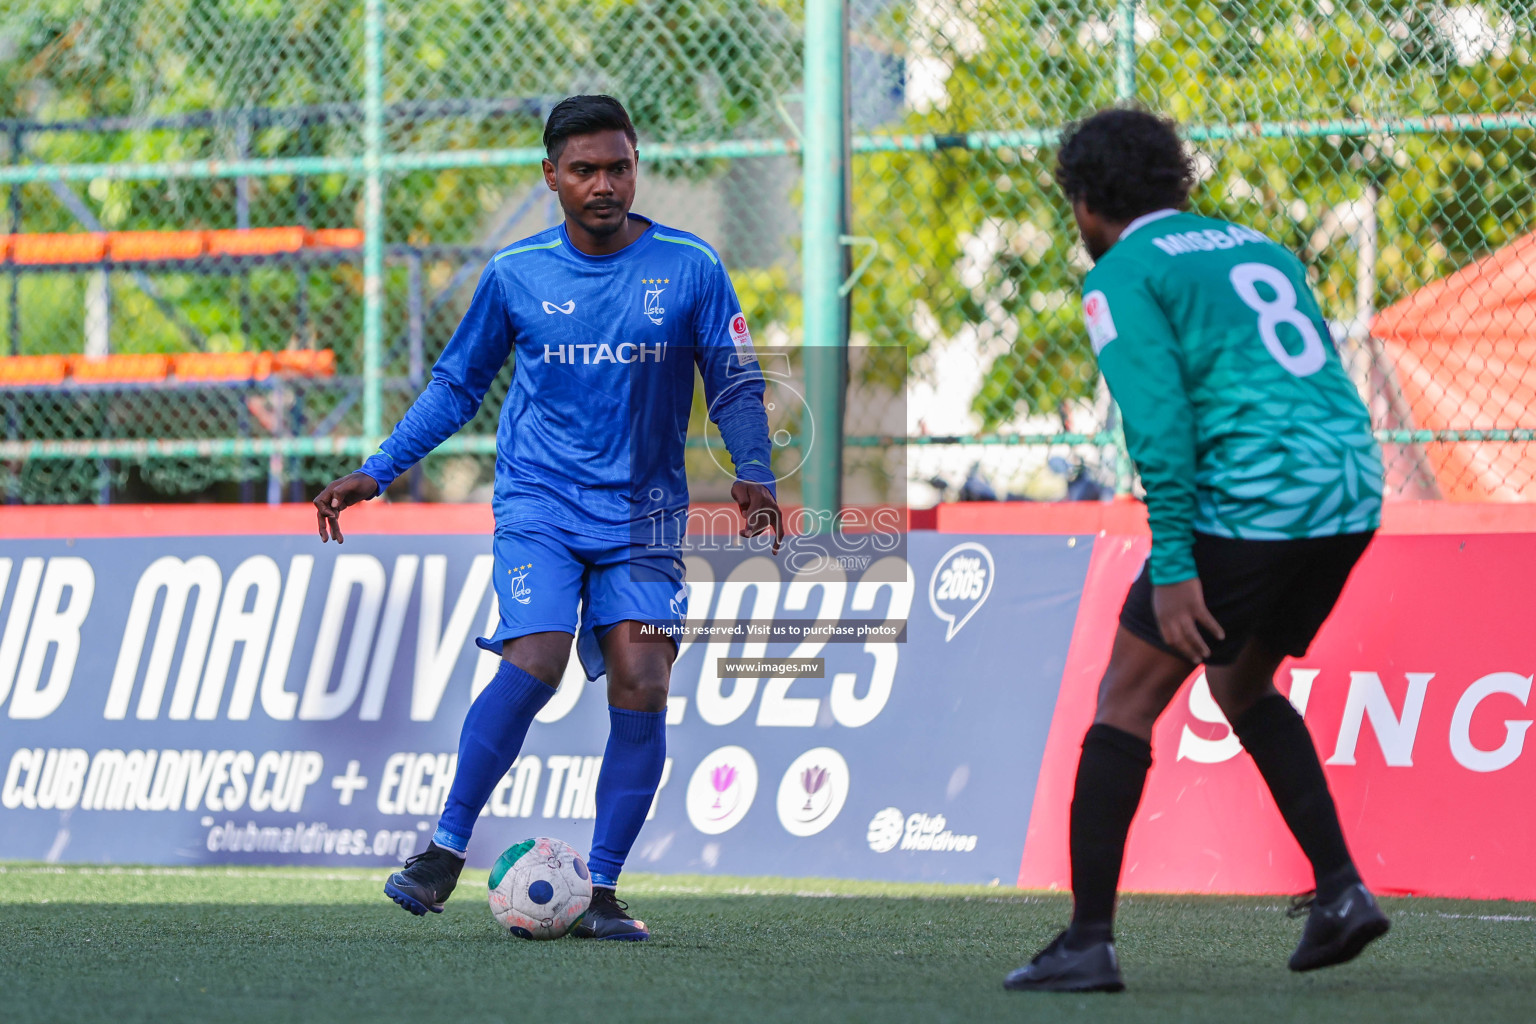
742, 339
1101, 324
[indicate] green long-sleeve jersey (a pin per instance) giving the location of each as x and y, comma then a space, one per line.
1236, 408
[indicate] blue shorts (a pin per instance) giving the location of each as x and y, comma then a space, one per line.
551, 579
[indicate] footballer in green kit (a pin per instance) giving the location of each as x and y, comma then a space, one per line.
1263, 489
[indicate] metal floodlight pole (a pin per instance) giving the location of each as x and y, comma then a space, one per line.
824, 165
373, 221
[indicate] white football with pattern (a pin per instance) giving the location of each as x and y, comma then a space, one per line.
539, 889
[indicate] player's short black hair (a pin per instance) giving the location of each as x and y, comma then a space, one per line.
585, 115
1125, 162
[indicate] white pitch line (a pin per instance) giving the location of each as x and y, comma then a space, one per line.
1475, 917
658, 889
200, 872
1438, 914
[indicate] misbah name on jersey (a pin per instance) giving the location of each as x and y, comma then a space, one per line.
1233, 235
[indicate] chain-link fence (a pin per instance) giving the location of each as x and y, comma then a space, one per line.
239, 231
1388, 143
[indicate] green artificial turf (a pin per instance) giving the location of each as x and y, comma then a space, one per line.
232, 945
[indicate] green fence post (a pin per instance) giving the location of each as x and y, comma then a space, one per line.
1125, 89
824, 166
1125, 50
373, 221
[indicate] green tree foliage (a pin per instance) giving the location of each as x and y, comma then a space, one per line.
975, 238
690, 70
972, 237
980, 239
1445, 197
459, 74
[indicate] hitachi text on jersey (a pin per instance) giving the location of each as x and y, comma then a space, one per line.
591, 354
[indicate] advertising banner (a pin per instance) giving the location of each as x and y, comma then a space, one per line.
1418, 696
258, 698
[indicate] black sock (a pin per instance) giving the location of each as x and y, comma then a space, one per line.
1277, 739
1110, 777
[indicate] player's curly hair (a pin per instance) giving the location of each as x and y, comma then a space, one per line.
1125, 162
585, 115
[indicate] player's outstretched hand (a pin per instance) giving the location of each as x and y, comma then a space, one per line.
340, 494
760, 510
1181, 612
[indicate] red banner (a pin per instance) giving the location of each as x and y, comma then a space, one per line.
1418, 696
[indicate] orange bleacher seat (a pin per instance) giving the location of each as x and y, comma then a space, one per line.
212, 367
335, 238
17, 370
305, 363
62, 248
119, 369
171, 245
222, 365
155, 245
255, 241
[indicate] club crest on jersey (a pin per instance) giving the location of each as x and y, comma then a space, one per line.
654, 310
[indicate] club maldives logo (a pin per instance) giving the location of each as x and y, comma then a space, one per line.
813, 791
889, 829
653, 289
960, 585
885, 830
721, 790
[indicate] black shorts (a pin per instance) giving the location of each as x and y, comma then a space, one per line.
1275, 591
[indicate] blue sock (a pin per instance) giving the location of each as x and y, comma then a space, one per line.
493, 733
626, 785
449, 841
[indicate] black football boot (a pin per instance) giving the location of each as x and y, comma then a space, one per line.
426, 881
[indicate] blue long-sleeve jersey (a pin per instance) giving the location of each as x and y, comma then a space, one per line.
593, 428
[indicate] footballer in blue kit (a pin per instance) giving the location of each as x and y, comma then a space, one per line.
606, 317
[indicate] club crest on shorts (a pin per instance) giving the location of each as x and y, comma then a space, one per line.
521, 592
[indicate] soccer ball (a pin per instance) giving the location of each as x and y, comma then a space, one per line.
539, 889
